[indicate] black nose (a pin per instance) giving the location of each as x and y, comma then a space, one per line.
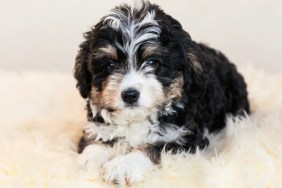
130, 96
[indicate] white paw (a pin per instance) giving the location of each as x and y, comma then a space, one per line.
127, 169
93, 157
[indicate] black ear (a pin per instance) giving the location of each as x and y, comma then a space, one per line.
81, 72
172, 30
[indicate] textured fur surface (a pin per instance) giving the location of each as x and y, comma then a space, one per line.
150, 88
42, 117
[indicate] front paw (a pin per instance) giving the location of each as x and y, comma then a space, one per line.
125, 170
93, 157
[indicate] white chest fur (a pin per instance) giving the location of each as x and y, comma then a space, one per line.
134, 133
137, 133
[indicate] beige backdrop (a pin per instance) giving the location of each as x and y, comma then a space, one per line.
44, 35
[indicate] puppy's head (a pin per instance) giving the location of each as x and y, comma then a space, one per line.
134, 62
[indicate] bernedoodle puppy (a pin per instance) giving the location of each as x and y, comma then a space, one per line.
150, 88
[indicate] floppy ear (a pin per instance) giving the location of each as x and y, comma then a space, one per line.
81, 72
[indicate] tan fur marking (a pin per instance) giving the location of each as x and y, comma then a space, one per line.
195, 62
110, 90
108, 50
95, 96
175, 89
150, 50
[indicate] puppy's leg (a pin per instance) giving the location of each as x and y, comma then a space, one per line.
93, 157
128, 168
95, 147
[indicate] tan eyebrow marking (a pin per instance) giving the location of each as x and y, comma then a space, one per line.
151, 49
107, 50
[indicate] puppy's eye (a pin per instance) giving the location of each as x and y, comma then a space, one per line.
111, 66
151, 63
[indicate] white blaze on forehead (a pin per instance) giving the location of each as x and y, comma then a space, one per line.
130, 26
132, 80
139, 80
138, 5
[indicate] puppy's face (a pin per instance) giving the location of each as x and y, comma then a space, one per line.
132, 63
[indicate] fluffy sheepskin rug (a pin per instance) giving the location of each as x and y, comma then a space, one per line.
42, 116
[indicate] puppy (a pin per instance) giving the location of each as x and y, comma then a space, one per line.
150, 88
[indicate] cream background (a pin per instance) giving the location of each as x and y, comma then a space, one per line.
44, 35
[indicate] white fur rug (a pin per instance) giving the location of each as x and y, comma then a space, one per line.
42, 115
